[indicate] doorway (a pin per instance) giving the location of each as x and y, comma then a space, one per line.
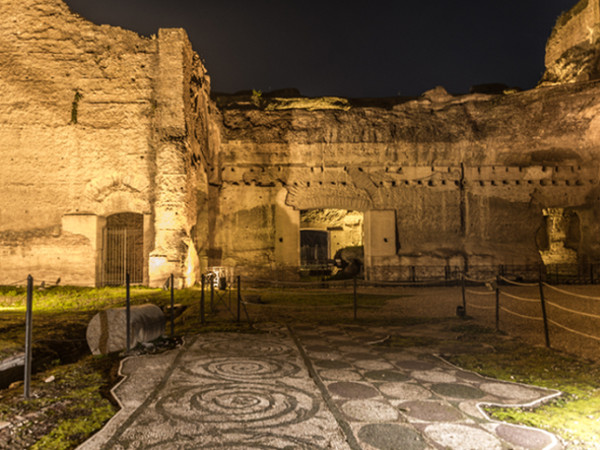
123, 248
331, 242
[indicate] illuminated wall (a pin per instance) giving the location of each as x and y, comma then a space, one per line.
95, 120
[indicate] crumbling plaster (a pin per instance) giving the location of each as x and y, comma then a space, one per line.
96, 120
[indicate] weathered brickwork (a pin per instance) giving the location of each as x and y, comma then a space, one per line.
91, 126
572, 53
468, 177
97, 121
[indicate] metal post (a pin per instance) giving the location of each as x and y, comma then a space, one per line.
212, 294
28, 333
355, 298
497, 303
543, 301
128, 310
464, 294
202, 282
171, 284
239, 298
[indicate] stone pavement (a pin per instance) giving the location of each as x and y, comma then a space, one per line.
313, 387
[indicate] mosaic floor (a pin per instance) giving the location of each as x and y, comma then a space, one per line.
311, 387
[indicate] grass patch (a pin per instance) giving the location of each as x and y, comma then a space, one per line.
575, 416
64, 412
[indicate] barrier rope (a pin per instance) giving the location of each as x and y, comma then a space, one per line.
562, 291
401, 283
572, 310
520, 315
471, 291
489, 280
298, 283
574, 331
523, 299
268, 305
17, 283
472, 305
517, 283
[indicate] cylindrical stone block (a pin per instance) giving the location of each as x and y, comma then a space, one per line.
107, 331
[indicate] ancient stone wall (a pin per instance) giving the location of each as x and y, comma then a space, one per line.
90, 118
467, 176
572, 52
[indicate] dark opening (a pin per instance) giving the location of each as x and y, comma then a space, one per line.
314, 247
123, 249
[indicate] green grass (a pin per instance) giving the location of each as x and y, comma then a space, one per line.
61, 315
575, 416
62, 413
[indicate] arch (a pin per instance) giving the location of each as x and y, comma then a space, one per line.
333, 197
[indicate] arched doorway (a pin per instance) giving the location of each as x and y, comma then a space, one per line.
331, 242
123, 249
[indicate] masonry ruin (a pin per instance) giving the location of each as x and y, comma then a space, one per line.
115, 159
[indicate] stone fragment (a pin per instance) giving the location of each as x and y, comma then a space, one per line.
107, 330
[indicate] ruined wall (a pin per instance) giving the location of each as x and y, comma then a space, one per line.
90, 118
467, 176
572, 53
182, 101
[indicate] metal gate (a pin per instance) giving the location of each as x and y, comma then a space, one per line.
123, 253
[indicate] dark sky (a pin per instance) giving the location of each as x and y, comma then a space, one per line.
376, 48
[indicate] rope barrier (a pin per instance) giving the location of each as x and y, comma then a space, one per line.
268, 305
520, 315
298, 283
572, 310
517, 283
471, 291
16, 283
471, 305
401, 283
348, 283
523, 299
562, 291
489, 280
574, 331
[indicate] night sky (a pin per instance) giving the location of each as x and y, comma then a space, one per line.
376, 48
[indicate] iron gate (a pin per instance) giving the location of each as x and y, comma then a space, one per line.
123, 253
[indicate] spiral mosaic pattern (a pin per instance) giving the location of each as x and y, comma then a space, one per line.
249, 348
262, 442
243, 369
254, 405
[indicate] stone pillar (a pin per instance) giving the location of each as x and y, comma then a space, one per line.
170, 218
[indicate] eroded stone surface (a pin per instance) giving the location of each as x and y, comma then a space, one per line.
391, 437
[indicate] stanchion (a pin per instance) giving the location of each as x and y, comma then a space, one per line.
172, 305
28, 333
464, 295
239, 298
202, 283
212, 294
543, 301
498, 303
355, 298
128, 310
